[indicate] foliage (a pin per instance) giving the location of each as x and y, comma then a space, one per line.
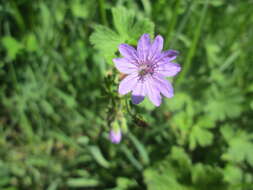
59, 97
128, 27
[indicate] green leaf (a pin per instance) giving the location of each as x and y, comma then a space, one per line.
227, 132
240, 148
200, 136
207, 176
206, 122
143, 25
129, 25
178, 154
233, 174
179, 101
123, 19
66, 98
213, 51
223, 103
141, 149
123, 124
251, 105
12, 47
147, 6
131, 158
147, 104
82, 182
5, 180
106, 41
47, 107
79, 9
128, 28
162, 179
31, 43
83, 140
98, 156
124, 183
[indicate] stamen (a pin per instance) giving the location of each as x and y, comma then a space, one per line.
145, 69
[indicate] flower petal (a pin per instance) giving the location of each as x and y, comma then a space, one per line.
168, 69
128, 52
143, 46
166, 56
156, 47
128, 83
115, 136
153, 93
172, 54
124, 65
138, 93
164, 86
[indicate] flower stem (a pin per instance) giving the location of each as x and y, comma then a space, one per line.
13, 75
193, 47
103, 12
173, 22
182, 24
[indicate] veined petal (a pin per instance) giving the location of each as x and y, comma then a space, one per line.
128, 83
166, 56
164, 86
138, 93
128, 52
153, 92
156, 47
143, 46
124, 65
168, 69
172, 54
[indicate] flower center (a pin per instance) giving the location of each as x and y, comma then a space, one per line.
145, 69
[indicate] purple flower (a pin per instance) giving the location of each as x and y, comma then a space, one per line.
115, 136
147, 68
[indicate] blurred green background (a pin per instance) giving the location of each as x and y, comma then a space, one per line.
58, 90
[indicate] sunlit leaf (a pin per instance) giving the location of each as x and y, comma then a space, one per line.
12, 47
